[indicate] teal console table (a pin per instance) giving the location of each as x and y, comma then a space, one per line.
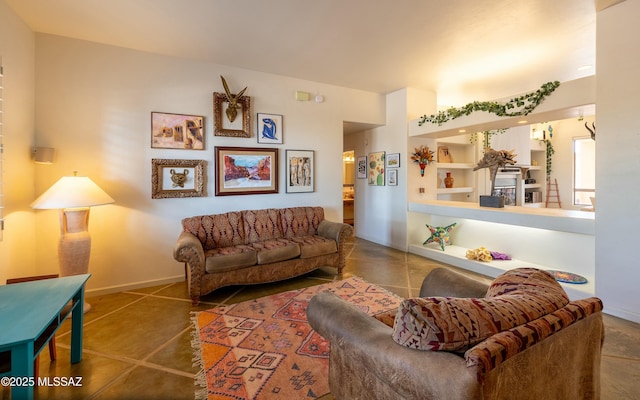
30, 314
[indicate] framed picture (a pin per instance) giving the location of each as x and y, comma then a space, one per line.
300, 171
376, 168
177, 178
177, 131
231, 119
361, 167
269, 128
393, 160
392, 177
246, 170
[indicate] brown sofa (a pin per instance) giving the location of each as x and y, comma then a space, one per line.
258, 246
553, 356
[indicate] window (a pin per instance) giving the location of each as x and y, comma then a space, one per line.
584, 170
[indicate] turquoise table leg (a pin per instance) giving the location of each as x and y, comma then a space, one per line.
22, 370
77, 318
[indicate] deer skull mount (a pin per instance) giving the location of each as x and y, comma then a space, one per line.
232, 108
591, 131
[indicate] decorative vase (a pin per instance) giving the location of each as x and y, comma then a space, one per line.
448, 181
422, 167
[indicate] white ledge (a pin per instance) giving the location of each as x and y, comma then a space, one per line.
456, 255
555, 219
570, 99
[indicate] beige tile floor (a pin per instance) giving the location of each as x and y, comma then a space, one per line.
137, 344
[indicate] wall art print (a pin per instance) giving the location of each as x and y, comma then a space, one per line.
392, 177
376, 168
177, 178
269, 128
177, 131
361, 167
245, 170
300, 171
393, 160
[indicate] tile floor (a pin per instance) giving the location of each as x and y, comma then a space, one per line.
137, 344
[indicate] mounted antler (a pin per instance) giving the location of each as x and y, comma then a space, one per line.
232, 108
591, 131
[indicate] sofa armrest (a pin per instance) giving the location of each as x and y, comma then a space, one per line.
366, 345
443, 282
334, 230
188, 249
340, 233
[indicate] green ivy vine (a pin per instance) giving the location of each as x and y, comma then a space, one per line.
550, 152
521, 105
486, 137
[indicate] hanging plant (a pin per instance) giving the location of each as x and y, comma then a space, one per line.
521, 105
550, 152
486, 137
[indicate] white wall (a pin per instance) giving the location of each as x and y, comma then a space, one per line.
618, 159
381, 211
93, 105
17, 44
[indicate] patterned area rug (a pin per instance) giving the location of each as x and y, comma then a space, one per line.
265, 348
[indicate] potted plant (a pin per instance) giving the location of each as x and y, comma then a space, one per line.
494, 160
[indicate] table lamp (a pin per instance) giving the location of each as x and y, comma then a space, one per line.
73, 195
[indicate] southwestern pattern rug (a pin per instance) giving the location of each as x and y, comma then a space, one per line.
266, 349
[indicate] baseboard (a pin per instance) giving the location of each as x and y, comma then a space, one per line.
624, 314
133, 286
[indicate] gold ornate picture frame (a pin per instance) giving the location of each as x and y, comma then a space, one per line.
240, 126
178, 178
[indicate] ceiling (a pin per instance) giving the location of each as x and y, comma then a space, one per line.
464, 50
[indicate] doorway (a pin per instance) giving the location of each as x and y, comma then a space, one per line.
348, 192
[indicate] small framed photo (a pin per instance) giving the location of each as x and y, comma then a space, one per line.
177, 131
376, 168
231, 119
393, 160
361, 167
177, 178
300, 171
392, 177
269, 128
246, 170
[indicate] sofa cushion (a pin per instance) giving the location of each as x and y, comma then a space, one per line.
215, 231
270, 251
229, 258
441, 323
261, 225
300, 221
313, 246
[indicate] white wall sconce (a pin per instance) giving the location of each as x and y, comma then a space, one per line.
43, 155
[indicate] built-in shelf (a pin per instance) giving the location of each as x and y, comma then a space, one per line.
554, 219
532, 186
445, 166
466, 189
456, 255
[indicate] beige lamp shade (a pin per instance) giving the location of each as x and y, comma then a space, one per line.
73, 195
72, 192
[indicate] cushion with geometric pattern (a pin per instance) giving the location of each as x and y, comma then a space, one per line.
457, 324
